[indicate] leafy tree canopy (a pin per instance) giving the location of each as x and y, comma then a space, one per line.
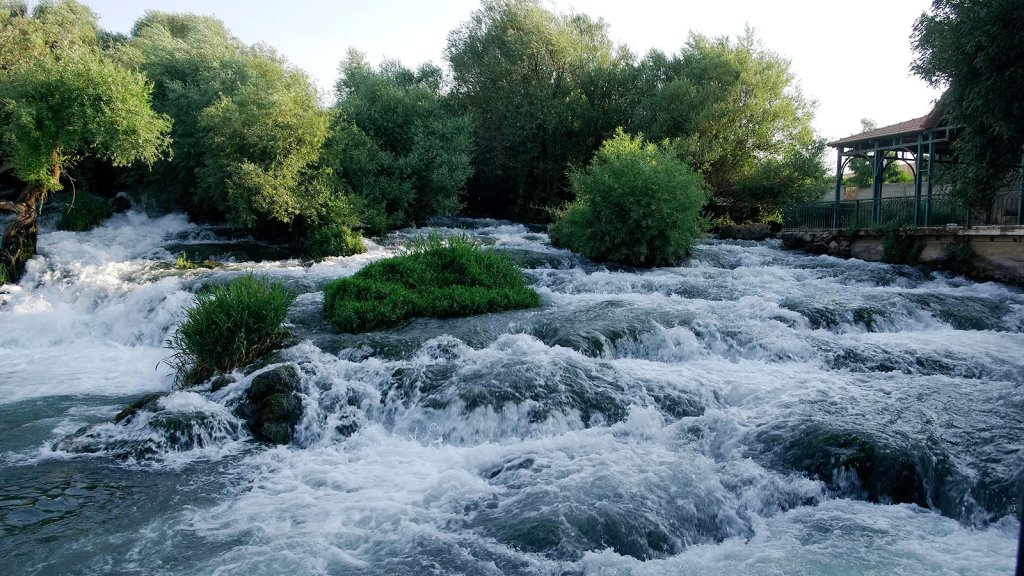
734, 112
63, 100
399, 143
636, 203
527, 76
975, 50
58, 109
248, 129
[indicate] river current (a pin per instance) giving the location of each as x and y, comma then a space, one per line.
753, 411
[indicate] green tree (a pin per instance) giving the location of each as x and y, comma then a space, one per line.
248, 136
975, 50
59, 107
636, 203
735, 113
522, 72
398, 143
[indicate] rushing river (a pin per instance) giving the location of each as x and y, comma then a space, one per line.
754, 411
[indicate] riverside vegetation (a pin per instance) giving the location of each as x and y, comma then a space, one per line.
186, 116
537, 116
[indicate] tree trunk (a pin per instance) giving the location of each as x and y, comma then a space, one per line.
19, 240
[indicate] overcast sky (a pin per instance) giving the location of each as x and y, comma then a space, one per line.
852, 58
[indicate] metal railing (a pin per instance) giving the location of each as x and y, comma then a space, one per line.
910, 211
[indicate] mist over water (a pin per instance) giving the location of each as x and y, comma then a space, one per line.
753, 411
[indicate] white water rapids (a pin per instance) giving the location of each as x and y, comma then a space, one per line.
753, 411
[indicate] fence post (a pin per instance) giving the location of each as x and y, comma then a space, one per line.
931, 172
1020, 194
839, 185
917, 183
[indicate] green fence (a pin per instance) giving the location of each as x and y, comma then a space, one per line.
910, 211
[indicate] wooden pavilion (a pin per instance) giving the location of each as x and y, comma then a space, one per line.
925, 140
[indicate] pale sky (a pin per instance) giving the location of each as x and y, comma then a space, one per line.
852, 58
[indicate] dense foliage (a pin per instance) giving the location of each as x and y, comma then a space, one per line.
228, 327
439, 279
233, 133
734, 113
63, 99
248, 132
530, 79
975, 50
636, 203
84, 211
399, 143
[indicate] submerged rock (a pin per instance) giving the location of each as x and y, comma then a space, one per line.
155, 425
271, 407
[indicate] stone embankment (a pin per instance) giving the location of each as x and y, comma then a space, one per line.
981, 252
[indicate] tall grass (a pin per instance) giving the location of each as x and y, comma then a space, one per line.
439, 278
229, 326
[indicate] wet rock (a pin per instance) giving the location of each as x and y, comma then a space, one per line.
755, 231
859, 464
147, 403
818, 242
271, 407
220, 382
153, 426
120, 203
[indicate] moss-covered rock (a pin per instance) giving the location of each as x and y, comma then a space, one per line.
271, 407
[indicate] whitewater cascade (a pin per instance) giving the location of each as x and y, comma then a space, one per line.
753, 411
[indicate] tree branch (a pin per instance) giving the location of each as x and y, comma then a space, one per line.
10, 206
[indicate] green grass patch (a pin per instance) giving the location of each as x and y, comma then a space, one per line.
84, 212
228, 327
183, 262
439, 279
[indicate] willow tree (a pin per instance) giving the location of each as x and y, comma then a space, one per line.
734, 112
521, 71
248, 134
58, 106
398, 143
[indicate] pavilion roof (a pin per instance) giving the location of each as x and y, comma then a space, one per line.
914, 126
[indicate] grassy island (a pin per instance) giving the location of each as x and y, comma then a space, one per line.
440, 278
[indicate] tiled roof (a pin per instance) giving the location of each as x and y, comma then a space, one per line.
907, 127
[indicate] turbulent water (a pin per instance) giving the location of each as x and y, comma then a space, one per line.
754, 411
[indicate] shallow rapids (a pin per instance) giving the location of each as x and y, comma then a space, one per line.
753, 411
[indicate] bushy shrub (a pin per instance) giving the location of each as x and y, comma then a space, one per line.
636, 203
899, 246
439, 278
84, 212
332, 240
229, 326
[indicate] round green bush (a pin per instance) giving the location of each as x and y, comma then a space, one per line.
636, 203
228, 327
332, 240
